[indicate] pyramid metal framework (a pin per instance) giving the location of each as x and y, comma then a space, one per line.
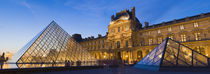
172, 54
52, 47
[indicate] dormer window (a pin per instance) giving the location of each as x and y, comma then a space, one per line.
195, 24
182, 27
149, 33
118, 29
150, 41
118, 44
169, 29
159, 31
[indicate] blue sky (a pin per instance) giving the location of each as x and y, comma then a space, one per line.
21, 20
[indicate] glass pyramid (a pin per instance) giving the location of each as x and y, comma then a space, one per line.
172, 54
52, 47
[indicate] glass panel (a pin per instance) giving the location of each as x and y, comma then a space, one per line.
175, 54
199, 60
53, 48
185, 55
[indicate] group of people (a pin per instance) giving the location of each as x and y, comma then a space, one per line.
2, 60
71, 63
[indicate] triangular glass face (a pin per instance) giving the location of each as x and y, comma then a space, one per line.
153, 59
179, 55
52, 47
172, 54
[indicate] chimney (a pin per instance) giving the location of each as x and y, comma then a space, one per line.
174, 21
146, 24
92, 37
163, 23
77, 37
133, 13
187, 18
112, 17
99, 35
202, 15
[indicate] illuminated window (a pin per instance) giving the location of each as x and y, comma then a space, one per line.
197, 36
183, 38
200, 50
99, 42
103, 44
149, 33
140, 34
118, 29
195, 24
159, 31
111, 45
141, 42
150, 41
160, 40
118, 44
171, 37
169, 29
127, 27
139, 54
182, 27
126, 43
99, 46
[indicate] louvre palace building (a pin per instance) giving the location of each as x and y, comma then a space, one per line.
183, 42
129, 40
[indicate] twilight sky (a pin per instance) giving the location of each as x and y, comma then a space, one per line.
21, 20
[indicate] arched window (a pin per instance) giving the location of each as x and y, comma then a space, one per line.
139, 54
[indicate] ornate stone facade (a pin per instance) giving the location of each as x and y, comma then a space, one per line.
126, 38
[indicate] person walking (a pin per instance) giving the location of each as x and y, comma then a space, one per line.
2, 60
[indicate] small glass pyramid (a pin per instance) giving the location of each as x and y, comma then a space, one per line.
51, 48
172, 54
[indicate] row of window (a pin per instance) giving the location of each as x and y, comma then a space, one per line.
118, 44
119, 29
170, 29
182, 36
98, 44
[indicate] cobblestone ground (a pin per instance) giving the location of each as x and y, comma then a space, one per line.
124, 70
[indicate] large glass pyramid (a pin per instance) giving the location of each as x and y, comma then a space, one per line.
172, 54
52, 47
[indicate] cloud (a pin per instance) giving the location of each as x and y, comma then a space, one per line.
29, 6
24, 3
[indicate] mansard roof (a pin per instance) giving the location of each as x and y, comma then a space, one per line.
202, 15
